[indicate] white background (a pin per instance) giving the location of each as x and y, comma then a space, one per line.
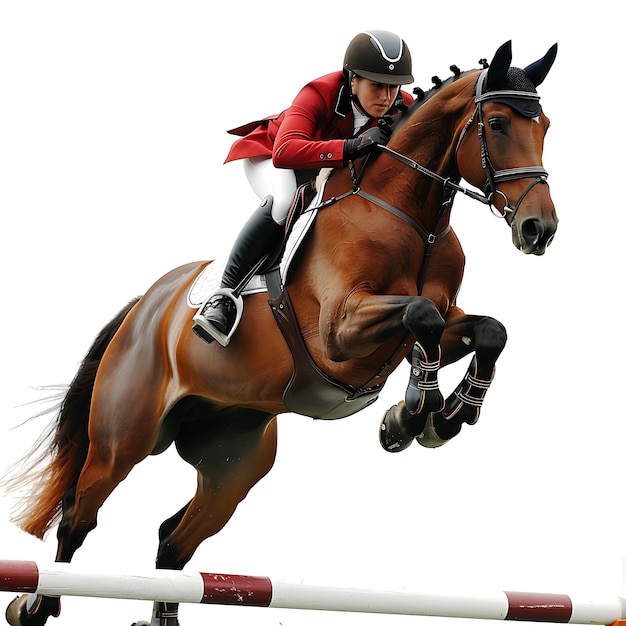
112, 137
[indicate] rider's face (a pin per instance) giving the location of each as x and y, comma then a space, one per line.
375, 98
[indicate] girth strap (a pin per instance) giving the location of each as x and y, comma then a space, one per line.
310, 391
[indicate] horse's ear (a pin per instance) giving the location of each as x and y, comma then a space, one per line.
499, 66
538, 70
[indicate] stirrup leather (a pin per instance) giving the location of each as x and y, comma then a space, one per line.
199, 319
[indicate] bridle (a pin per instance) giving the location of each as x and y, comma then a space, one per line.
494, 177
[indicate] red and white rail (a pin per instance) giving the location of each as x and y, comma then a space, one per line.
62, 579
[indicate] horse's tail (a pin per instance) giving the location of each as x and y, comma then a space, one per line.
55, 462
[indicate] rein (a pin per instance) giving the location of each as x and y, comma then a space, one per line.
446, 182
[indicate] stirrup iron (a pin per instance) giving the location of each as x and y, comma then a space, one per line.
199, 319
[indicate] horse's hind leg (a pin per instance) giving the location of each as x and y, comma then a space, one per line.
462, 335
80, 506
231, 451
103, 471
106, 466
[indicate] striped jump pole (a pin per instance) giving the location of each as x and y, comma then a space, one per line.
174, 586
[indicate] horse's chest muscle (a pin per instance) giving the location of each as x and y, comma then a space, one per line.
442, 275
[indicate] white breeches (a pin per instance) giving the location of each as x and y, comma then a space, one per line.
265, 179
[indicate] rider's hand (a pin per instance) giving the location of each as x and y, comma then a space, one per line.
364, 144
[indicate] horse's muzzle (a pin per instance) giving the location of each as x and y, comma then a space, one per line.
533, 235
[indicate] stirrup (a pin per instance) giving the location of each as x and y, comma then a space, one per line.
200, 320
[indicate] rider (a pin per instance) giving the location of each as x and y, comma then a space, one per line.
332, 120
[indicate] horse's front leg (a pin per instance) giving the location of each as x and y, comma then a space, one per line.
486, 337
358, 325
364, 322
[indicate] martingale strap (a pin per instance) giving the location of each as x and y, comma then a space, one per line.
428, 237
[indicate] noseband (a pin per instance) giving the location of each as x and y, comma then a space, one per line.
494, 176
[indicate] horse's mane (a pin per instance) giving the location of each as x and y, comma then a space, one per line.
421, 96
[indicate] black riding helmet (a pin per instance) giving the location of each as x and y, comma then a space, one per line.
380, 56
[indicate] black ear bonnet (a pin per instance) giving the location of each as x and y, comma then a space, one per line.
514, 86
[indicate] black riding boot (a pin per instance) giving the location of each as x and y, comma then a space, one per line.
216, 317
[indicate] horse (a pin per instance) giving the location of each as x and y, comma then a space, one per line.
373, 282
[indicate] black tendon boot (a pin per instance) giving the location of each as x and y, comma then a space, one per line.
218, 317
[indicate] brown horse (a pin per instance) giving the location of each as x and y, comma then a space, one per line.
374, 282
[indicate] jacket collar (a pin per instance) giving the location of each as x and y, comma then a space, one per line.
343, 105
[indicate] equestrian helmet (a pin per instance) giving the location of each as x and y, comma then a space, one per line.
380, 56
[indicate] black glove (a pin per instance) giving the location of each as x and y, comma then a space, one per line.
364, 144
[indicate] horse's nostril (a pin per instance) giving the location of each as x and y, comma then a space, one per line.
532, 230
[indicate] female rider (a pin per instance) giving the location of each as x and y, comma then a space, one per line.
333, 120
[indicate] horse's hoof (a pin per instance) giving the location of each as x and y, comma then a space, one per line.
17, 613
392, 435
14, 610
429, 437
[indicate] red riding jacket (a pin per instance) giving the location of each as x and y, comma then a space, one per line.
310, 133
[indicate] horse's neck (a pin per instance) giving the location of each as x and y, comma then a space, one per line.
428, 137
413, 192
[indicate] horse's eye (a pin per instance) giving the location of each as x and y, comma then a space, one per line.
496, 125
